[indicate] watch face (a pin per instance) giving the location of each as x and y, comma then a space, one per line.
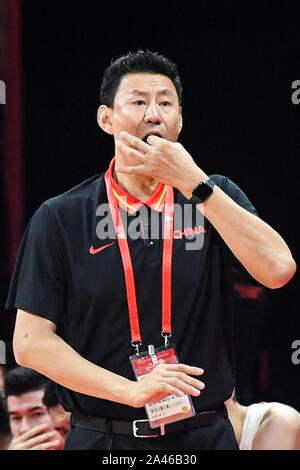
202, 192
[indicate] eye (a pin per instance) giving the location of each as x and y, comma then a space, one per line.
38, 414
139, 102
165, 103
15, 419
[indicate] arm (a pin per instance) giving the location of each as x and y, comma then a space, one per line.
255, 244
259, 248
36, 345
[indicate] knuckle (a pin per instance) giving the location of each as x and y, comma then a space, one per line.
153, 152
164, 144
176, 382
135, 141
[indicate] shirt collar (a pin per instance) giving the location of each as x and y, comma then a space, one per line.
131, 203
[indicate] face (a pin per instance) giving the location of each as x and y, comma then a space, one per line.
61, 420
144, 103
26, 411
1, 381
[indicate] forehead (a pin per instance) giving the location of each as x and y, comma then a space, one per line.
138, 83
25, 402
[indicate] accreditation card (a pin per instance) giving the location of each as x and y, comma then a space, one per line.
171, 408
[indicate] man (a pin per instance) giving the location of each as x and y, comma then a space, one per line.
265, 425
30, 424
90, 292
59, 417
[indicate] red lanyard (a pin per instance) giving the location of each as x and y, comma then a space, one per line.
136, 339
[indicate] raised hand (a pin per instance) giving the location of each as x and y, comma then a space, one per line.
161, 159
37, 438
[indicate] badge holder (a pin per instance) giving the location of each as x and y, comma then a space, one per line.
171, 408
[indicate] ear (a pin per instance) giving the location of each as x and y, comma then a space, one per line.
104, 119
180, 120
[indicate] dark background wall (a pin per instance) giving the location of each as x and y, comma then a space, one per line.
237, 68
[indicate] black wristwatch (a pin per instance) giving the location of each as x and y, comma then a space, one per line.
202, 191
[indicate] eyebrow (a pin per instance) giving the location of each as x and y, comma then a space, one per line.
35, 408
165, 91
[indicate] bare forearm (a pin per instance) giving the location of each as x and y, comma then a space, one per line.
53, 357
37, 346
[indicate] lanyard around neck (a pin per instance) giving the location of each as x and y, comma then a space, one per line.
136, 339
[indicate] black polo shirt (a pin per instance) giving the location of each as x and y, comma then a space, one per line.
67, 274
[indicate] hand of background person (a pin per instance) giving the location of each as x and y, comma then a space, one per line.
165, 380
37, 438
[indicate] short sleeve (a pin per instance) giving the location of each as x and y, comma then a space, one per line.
38, 282
233, 191
237, 195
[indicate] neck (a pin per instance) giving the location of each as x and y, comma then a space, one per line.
141, 187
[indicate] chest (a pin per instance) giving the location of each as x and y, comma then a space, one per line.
95, 262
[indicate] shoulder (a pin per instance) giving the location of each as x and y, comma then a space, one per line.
82, 198
85, 191
66, 209
281, 415
280, 427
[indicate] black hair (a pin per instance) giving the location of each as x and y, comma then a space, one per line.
136, 62
4, 420
50, 397
22, 380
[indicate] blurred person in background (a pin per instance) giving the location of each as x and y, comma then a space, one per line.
5, 436
60, 418
265, 426
2, 371
30, 423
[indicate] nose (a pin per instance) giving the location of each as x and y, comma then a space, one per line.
25, 426
152, 114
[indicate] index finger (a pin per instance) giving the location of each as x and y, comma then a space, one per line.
155, 140
191, 370
135, 142
43, 441
36, 430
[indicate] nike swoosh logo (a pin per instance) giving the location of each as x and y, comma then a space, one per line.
94, 251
